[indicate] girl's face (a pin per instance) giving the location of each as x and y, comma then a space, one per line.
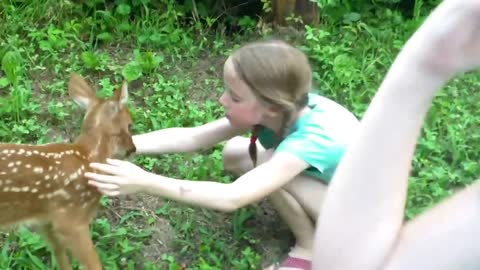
242, 108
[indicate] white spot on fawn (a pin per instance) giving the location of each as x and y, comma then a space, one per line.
21, 151
8, 182
38, 183
18, 163
71, 177
6, 189
60, 192
38, 170
28, 166
15, 189
10, 164
47, 177
34, 190
25, 189
14, 170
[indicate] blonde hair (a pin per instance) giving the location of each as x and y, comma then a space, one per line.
278, 74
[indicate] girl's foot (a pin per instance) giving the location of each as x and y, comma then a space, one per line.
297, 259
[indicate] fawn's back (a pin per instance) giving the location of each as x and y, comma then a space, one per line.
37, 182
44, 185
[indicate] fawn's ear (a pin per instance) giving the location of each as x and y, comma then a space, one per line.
121, 95
80, 91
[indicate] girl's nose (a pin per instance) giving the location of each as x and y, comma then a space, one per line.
223, 100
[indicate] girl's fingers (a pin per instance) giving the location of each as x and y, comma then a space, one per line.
104, 187
104, 168
116, 162
111, 193
103, 178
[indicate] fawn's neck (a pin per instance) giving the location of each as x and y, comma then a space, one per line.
98, 147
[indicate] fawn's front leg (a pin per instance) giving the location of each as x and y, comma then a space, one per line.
77, 237
58, 247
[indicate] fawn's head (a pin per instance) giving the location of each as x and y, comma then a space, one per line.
107, 122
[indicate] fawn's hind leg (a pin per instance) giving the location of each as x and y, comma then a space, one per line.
58, 247
77, 237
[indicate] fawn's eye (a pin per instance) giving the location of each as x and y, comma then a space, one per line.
130, 128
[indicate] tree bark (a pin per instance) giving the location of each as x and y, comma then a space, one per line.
307, 10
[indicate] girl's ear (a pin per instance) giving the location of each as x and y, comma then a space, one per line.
273, 110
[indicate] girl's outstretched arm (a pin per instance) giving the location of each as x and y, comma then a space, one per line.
125, 177
185, 139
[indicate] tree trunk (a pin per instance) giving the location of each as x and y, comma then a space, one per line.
306, 9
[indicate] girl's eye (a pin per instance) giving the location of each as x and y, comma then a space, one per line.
234, 98
232, 95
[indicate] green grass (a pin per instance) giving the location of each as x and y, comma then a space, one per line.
174, 66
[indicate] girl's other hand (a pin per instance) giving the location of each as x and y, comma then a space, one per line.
121, 177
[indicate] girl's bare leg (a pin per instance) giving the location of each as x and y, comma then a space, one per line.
444, 238
362, 217
297, 203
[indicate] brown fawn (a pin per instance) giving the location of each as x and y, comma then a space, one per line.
44, 186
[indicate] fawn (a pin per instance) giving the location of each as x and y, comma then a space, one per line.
43, 185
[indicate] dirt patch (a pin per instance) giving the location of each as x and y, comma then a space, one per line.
275, 237
162, 233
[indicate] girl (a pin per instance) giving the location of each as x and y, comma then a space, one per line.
445, 237
297, 141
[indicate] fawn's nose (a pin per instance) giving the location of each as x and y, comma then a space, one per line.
130, 151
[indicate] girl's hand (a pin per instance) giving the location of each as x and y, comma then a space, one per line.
448, 43
122, 177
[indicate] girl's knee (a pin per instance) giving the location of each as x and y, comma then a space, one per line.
234, 153
236, 158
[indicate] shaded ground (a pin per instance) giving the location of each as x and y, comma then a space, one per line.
265, 226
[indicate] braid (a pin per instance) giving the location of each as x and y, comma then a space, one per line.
252, 147
287, 118
289, 114
302, 102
